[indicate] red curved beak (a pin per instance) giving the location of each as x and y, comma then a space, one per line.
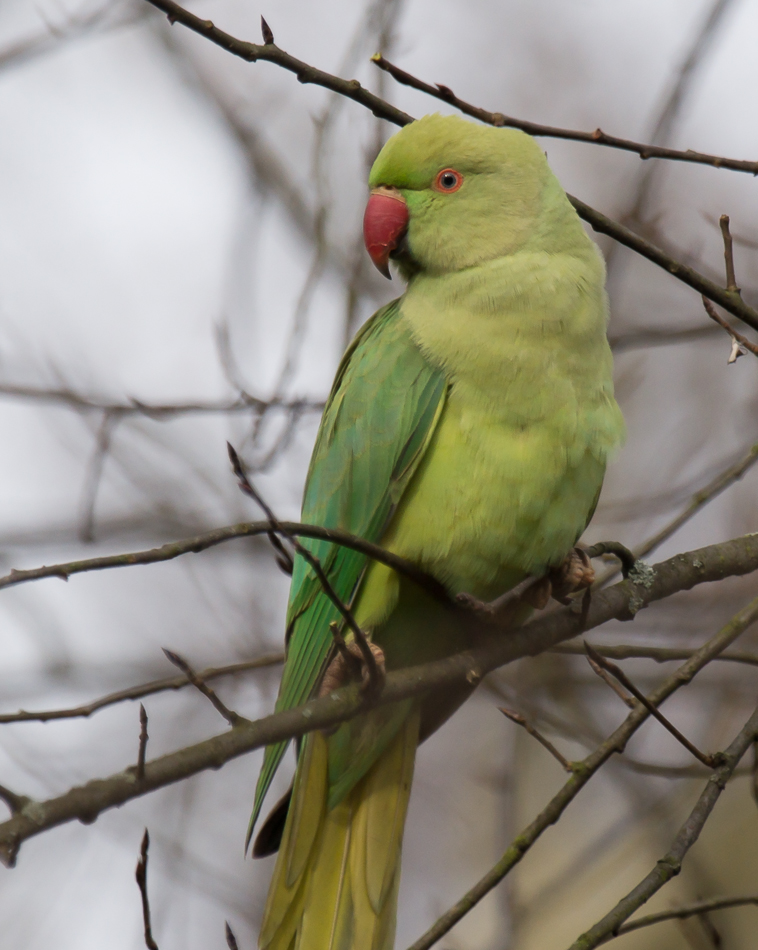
384, 223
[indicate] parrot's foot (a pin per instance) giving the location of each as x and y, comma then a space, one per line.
501, 610
574, 574
341, 670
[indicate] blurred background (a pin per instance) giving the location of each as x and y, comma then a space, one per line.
180, 232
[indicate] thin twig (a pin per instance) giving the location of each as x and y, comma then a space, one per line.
375, 677
671, 863
244, 402
598, 137
86, 802
352, 89
688, 910
179, 662
583, 772
610, 681
624, 651
141, 876
521, 721
143, 737
741, 340
138, 692
174, 549
710, 760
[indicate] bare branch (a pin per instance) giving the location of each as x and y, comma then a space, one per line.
375, 677
141, 876
243, 402
740, 339
689, 910
521, 721
583, 772
138, 692
352, 89
202, 542
710, 760
659, 654
671, 863
624, 600
231, 717
598, 137
598, 670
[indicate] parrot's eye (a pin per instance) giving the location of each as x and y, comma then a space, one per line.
448, 180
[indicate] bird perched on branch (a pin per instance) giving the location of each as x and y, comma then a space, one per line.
467, 430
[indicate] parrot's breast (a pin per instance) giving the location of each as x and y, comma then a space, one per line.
516, 463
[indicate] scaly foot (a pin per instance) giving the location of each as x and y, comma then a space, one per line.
574, 574
341, 670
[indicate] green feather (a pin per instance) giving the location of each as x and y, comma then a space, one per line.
367, 449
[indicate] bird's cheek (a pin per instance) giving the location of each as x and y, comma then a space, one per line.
385, 221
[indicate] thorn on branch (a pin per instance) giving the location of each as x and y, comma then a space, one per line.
268, 39
712, 761
141, 876
231, 717
231, 940
15, 803
521, 721
143, 737
731, 280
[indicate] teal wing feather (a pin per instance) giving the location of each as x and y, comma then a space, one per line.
381, 413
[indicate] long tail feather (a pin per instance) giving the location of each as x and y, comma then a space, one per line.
336, 878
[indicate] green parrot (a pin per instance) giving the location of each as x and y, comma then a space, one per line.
467, 430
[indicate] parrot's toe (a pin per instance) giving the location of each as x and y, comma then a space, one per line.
574, 574
341, 670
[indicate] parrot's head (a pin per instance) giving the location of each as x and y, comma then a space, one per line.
448, 194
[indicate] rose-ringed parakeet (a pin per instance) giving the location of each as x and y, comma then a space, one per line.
467, 430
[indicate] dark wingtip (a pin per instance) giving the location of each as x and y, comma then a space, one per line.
269, 838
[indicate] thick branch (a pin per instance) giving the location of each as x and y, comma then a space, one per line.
671, 863
624, 600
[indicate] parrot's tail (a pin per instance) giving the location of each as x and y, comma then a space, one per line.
337, 873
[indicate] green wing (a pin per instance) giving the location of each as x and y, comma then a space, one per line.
377, 423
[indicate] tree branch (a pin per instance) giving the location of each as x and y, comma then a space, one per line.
352, 89
623, 601
659, 654
689, 910
598, 137
584, 770
138, 692
671, 863
174, 549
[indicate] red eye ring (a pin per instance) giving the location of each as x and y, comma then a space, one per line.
447, 181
